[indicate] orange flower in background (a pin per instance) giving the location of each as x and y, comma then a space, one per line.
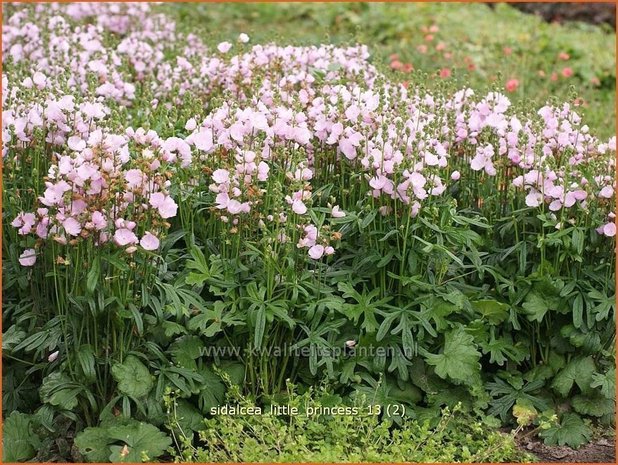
407, 68
567, 72
507, 51
422, 48
554, 76
595, 81
445, 72
429, 37
511, 85
434, 28
441, 46
564, 56
542, 73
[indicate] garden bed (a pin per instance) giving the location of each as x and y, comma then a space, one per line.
222, 247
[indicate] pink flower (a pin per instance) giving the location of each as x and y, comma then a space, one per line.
39, 79
191, 124
135, 178
27, 258
534, 198
609, 229
607, 192
244, 38
98, 220
337, 213
149, 241
203, 140
76, 143
263, 170
164, 204
567, 72
25, 222
445, 72
511, 85
72, 226
224, 47
234, 207
220, 176
316, 251
455, 175
53, 356
299, 207
124, 236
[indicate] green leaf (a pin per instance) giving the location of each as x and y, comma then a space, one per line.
570, 432
85, 356
133, 377
493, 311
578, 371
213, 392
11, 337
210, 321
606, 383
578, 311
459, 359
186, 349
188, 417
535, 307
93, 443
92, 279
260, 324
596, 406
58, 389
143, 441
19, 442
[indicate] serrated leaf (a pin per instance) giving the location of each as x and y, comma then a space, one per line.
19, 442
571, 431
459, 359
172, 329
189, 418
142, 440
606, 383
213, 392
595, 406
578, 371
93, 444
493, 311
133, 377
535, 307
186, 349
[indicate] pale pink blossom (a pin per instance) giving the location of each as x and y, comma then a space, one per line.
27, 258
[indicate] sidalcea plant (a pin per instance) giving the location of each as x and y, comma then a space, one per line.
164, 198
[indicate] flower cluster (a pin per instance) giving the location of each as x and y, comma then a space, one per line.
270, 127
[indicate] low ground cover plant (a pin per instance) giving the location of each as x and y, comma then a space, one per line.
177, 215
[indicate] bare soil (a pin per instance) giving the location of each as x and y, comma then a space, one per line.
594, 13
601, 450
